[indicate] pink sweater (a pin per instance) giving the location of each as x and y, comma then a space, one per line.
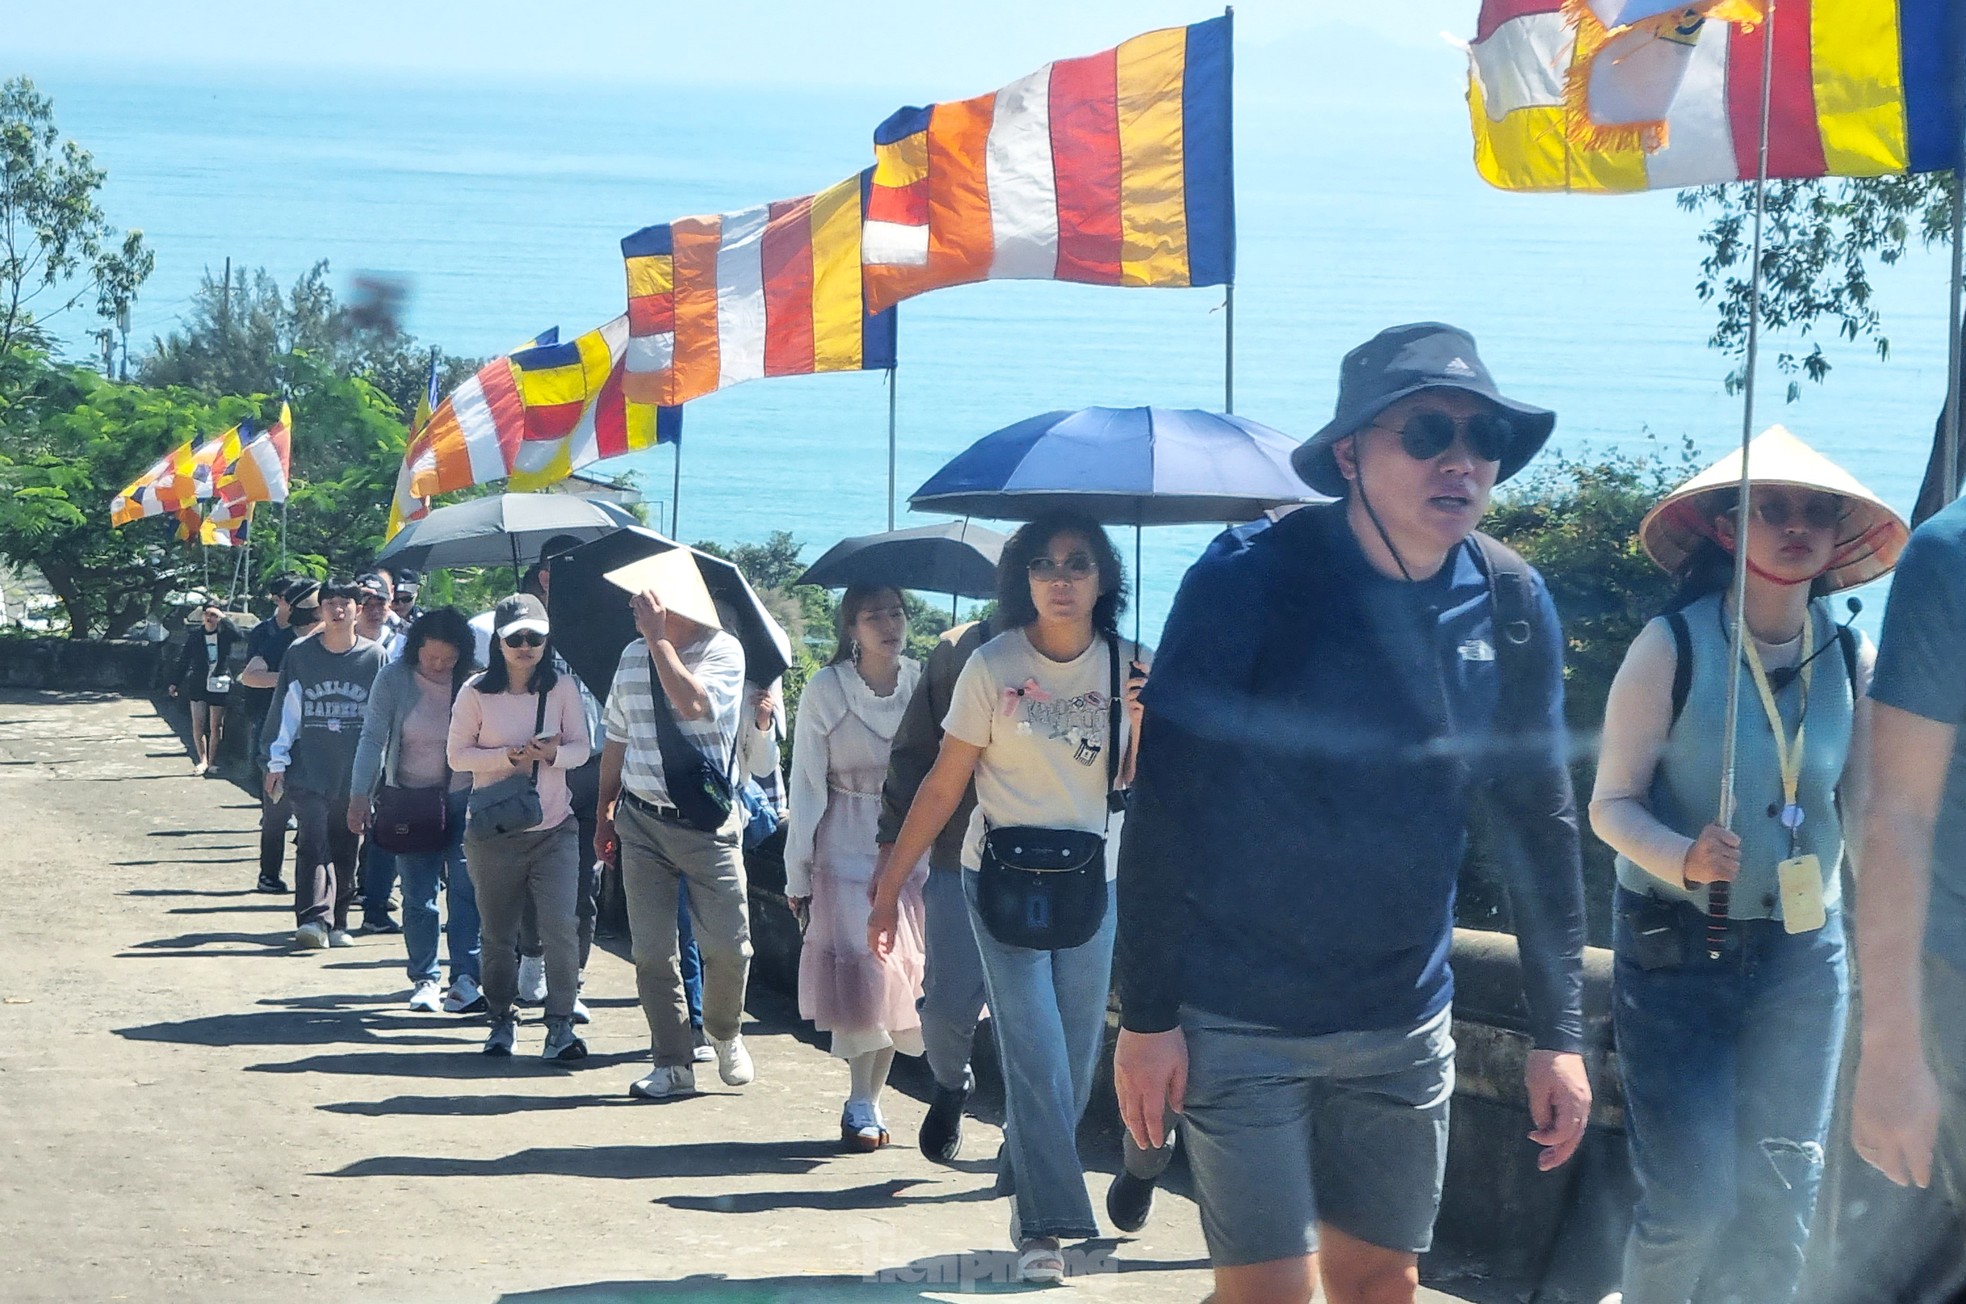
484, 725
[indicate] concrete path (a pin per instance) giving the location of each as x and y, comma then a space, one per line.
190, 1110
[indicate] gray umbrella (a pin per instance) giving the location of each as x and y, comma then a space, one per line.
501, 530
954, 557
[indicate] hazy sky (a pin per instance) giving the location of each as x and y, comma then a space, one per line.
950, 47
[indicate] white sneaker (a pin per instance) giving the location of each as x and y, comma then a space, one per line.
532, 979
198, 770
426, 999
340, 937
580, 1014
733, 1062
701, 1051
311, 937
665, 1081
465, 996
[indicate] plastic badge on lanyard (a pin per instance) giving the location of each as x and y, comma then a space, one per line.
1801, 877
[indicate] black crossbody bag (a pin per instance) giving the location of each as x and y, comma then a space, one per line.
702, 794
1045, 889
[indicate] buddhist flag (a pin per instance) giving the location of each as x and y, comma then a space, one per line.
1115, 169
472, 435
404, 506
260, 472
575, 410
139, 498
770, 291
1861, 88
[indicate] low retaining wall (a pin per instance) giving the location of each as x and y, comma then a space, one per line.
64, 665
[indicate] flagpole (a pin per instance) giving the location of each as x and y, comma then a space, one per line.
1956, 353
1720, 894
890, 447
676, 496
283, 528
1229, 349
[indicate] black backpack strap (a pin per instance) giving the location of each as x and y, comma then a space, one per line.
1682, 665
1515, 619
1847, 638
538, 727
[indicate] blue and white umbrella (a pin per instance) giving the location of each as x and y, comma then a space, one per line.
1122, 466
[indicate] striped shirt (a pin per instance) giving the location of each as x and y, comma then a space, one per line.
717, 662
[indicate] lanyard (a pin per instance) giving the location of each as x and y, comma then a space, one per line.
1788, 754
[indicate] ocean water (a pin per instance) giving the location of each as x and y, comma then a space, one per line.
502, 204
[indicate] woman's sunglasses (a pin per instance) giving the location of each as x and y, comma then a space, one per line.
1075, 567
1426, 435
525, 638
1818, 513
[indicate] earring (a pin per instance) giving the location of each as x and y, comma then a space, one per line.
855, 653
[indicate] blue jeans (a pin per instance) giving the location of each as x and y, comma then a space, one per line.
422, 873
1729, 1070
952, 980
377, 879
692, 959
1050, 1013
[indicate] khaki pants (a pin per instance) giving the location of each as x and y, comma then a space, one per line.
657, 855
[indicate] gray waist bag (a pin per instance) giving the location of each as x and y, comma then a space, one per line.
512, 804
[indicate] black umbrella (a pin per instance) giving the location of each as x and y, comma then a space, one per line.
500, 530
592, 623
953, 557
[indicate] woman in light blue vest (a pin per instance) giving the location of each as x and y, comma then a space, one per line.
1729, 1019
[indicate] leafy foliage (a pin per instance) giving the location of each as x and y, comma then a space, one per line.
1576, 521
1818, 242
54, 238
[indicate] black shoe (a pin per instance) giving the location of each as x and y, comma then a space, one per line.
1129, 1200
942, 1128
270, 885
382, 923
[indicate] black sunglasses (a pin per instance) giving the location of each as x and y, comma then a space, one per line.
1426, 435
1817, 512
525, 638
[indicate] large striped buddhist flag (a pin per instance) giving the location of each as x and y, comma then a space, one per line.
1115, 169
404, 506
770, 291
178, 480
1860, 88
261, 471
575, 410
471, 436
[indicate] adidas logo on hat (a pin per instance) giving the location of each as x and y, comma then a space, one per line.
1458, 367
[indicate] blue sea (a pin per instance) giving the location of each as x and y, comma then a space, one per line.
501, 204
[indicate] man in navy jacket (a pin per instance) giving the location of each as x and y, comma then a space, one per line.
1333, 694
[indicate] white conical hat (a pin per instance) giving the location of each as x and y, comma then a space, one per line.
677, 582
1867, 544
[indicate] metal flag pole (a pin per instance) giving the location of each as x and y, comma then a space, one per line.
890, 447
1229, 349
1956, 353
283, 529
676, 495
1720, 895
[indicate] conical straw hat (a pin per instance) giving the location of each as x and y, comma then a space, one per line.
676, 581
1867, 544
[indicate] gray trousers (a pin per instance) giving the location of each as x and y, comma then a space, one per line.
952, 979
507, 870
658, 855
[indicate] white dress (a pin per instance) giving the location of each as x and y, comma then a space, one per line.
840, 749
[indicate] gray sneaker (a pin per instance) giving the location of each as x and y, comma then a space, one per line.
503, 1032
664, 1082
562, 1043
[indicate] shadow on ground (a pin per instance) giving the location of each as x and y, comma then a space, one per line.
982, 1272
622, 1162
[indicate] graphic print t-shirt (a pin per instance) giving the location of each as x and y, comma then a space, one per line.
318, 714
1043, 727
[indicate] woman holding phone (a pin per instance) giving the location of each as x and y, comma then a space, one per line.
517, 729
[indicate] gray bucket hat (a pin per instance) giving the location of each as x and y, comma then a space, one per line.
1404, 360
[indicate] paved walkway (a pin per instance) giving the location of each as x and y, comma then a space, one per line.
190, 1110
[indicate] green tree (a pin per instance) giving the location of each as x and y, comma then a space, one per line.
239, 334
68, 440
54, 238
1820, 241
